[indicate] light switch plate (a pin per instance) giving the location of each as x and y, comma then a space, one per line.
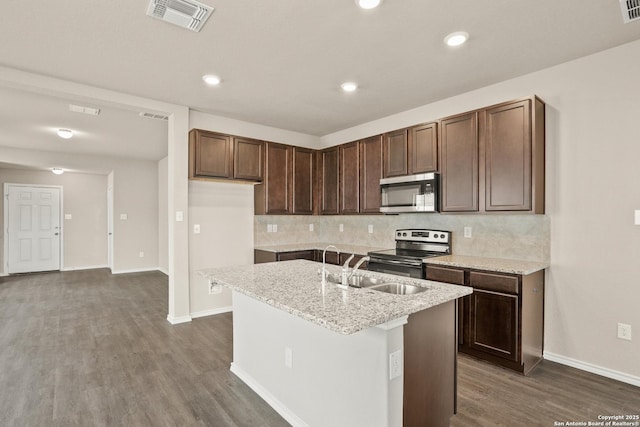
179, 216
310, 227
68, 216
341, 228
124, 217
370, 228
275, 228
467, 232
196, 228
269, 228
637, 217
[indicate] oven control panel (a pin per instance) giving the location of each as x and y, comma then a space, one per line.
427, 236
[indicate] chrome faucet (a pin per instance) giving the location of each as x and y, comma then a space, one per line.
359, 264
345, 271
324, 255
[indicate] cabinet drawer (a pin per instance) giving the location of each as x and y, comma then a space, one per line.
447, 275
494, 282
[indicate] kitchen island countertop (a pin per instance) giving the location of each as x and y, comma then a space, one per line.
295, 287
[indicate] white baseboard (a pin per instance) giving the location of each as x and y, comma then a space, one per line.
278, 406
86, 267
135, 270
162, 270
178, 320
594, 369
3, 274
212, 312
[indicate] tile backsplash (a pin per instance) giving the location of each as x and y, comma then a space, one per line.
523, 237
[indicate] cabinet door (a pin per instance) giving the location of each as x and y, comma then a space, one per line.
459, 163
423, 148
247, 159
288, 256
508, 157
395, 152
211, 155
370, 174
329, 170
303, 178
494, 323
349, 178
277, 179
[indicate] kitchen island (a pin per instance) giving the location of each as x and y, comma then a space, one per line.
324, 356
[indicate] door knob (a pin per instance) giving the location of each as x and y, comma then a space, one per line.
56, 234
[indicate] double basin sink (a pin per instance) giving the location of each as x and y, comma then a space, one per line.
377, 284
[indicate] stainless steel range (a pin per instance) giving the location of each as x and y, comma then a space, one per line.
412, 248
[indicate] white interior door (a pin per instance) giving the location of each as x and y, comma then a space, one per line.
33, 229
110, 227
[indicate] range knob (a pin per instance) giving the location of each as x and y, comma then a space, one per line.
404, 234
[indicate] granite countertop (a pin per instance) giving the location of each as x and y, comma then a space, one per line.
490, 264
295, 287
344, 248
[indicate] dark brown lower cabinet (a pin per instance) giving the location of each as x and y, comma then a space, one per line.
260, 256
503, 320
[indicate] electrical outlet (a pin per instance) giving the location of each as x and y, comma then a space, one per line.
124, 217
370, 228
637, 217
395, 364
310, 227
341, 227
68, 216
467, 232
141, 254
196, 228
288, 357
624, 331
275, 228
214, 288
269, 228
179, 216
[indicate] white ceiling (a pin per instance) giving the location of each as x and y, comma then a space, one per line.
281, 61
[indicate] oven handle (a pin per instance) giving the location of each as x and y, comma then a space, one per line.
374, 259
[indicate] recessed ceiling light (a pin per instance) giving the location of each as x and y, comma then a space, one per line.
349, 86
457, 38
57, 171
65, 133
211, 80
368, 4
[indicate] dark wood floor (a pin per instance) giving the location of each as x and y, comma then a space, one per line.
87, 348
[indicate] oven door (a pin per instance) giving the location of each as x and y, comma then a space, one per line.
397, 267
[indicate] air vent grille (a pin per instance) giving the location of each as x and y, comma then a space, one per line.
188, 14
153, 116
630, 10
85, 110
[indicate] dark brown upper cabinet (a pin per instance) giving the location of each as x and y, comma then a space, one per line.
514, 156
395, 153
247, 159
272, 197
303, 181
423, 148
210, 155
349, 178
370, 174
329, 166
215, 155
459, 163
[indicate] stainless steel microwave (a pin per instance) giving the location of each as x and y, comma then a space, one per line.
413, 193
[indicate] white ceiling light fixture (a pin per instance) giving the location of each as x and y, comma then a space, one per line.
211, 80
57, 171
368, 4
456, 39
349, 86
187, 14
65, 133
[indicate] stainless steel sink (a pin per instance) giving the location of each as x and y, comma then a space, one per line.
357, 280
377, 284
398, 288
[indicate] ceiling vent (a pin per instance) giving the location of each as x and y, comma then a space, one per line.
630, 10
184, 13
84, 110
153, 116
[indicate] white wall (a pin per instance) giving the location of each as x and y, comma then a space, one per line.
592, 167
163, 216
135, 191
85, 198
224, 212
